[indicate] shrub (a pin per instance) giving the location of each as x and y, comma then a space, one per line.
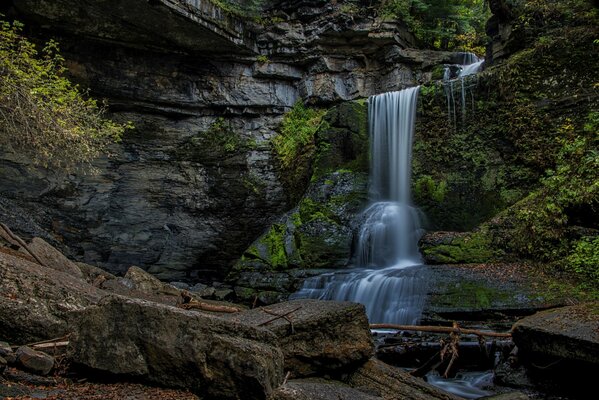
42, 114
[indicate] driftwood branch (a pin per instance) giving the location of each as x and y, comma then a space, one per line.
208, 307
279, 316
21, 243
49, 342
187, 302
441, 329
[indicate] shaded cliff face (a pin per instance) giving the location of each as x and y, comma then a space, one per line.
190, 188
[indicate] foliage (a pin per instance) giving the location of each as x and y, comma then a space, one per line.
569, 194
240, 8
295, 144
584, 258
42, 114
443, 24
262, 59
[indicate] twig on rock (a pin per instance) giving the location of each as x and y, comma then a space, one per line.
49, 341
278, 316
21, 243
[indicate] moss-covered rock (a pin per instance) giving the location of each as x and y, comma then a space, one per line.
458, 248
315, 234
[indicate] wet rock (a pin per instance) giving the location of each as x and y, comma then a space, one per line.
180, 285
53, 258
198, 287
515, 376
507, 396
35, 301
392, 383
34, 361
320, 336
6, 353
319, 390
176, 348
145, 282
223, 294
479, 291
568, 333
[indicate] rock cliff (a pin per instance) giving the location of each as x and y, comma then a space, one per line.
195, 182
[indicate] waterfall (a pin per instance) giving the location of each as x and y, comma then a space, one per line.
386, 279
471, 65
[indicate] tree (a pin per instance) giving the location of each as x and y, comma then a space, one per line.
443, 24
42, 114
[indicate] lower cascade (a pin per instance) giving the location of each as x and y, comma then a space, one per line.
386, 278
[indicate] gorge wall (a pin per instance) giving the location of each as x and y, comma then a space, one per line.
196, 180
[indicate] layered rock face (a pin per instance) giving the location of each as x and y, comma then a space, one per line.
195, 182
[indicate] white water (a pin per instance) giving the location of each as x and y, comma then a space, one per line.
387, 280
468, 385
471, 65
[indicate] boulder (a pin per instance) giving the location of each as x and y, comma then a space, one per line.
205, 353
52, 258
568, 333
392, 383
34, 361
319, 390
317, 336
3, 364
34, 300
145, 282
6, 353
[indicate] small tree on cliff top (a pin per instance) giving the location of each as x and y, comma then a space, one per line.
42, 114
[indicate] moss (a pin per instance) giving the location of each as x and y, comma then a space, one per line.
274, 241
477, 247
295, 147
472, 295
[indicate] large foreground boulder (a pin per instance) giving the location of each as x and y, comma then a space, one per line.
317, 337
569, 333
35, 300
220, 358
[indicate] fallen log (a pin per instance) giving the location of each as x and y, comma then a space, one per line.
440, 329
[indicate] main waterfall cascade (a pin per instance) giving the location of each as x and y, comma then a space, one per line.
387, 279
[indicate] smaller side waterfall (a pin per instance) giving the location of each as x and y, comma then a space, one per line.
388, 280
471, 65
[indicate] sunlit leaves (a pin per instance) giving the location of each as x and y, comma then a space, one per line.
43, 116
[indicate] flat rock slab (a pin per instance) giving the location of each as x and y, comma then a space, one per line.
392, 383
216, 357
52, 258
316, 336
479, 291
570, 333
319, 390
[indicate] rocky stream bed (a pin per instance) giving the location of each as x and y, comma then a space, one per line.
94, 335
